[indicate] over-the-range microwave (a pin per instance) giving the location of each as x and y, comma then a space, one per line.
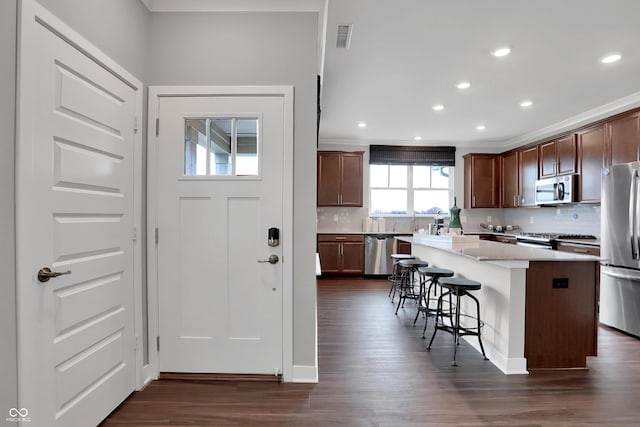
557, 190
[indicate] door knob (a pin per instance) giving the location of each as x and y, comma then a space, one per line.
45, 273
273, 259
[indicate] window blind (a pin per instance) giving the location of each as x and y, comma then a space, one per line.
410, 155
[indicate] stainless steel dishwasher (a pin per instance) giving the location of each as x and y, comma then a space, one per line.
377, 250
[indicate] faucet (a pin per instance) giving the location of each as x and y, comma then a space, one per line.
393, 229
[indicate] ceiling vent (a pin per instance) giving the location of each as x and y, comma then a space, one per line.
344, 36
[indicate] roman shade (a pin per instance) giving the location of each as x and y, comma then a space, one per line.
412, 155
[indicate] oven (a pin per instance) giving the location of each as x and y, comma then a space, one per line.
534, 243
547, 240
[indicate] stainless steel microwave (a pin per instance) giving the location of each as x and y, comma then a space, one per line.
557, 190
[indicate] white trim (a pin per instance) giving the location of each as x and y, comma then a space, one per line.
30, 12
305, 374
234, 5
510, 366
618, 106
157, 92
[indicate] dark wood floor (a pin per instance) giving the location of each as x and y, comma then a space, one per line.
374, 371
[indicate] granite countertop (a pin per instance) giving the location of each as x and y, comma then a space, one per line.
483, 250
390, 233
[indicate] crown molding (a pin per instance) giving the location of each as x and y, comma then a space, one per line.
607, 110
235, 5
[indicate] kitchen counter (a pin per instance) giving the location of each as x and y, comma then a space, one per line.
538, 306
484, 250
366, 233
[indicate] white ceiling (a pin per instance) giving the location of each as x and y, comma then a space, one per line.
407, 55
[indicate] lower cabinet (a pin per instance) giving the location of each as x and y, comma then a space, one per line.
578, 248
341, 254
404, 247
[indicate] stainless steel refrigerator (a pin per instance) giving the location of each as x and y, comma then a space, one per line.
620, 248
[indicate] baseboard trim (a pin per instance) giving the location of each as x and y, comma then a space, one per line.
510, 366
304, 374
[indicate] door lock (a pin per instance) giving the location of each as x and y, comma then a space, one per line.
45, 273
273, 259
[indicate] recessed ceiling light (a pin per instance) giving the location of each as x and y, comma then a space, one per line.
526, 103
614, 57
362, 125
417, 138
463, 85
501, 51
481, 127
438, 107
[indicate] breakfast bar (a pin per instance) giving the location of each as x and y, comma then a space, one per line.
539, 307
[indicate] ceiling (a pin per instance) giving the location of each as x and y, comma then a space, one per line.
405, 56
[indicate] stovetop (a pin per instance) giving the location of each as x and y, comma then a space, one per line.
555, 236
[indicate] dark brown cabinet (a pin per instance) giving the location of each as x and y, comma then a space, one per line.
578, 248
558, 157
404, 247
510, 180
591, 160
528, 174
340, 178
341, 253
482, 181
623, 143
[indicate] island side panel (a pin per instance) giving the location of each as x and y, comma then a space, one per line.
561, 327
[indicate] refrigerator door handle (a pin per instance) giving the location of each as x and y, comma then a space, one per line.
636, 228
617, 275
633, 216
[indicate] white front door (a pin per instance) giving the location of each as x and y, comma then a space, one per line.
219, 191
75, 216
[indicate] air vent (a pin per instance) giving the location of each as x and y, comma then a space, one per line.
344, 36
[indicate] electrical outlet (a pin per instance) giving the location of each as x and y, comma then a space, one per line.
489, 218
530, 220
560, 283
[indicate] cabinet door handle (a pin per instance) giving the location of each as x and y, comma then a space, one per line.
580, 251
515, 200
473, 201
340, 251
341, 238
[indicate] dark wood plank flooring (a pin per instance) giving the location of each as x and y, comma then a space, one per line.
374, 371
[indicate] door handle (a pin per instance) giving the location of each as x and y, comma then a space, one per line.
45, 273
273, 259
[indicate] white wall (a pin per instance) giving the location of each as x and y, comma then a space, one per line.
257, 49
8, 363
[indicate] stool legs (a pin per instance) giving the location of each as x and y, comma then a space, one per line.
455, 329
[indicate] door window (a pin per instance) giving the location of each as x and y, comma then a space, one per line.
221, 146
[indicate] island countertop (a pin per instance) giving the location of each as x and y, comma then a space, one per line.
485, 250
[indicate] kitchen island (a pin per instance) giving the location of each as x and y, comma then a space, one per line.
539, 307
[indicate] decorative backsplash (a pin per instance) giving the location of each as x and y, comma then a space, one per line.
571, 219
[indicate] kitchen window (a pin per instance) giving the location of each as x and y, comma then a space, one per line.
409, 189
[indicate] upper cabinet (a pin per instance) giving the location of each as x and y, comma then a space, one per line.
482, 181
623, 142
510, 180
340, 178
558, 157
528, 175
591, 160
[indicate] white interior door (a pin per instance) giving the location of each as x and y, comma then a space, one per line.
75, 216
219, 190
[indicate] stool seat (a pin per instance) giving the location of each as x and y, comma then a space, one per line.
413, 263
435, 271
460, 284
401, 256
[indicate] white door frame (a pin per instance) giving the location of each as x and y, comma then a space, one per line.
30, 15
157, 92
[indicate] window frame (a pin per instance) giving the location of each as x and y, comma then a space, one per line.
410, 190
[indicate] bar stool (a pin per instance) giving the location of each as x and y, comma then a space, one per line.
407, 290
431, 275
395, 272
458, 287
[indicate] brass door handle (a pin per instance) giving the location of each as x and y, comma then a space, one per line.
273, 259
45, 273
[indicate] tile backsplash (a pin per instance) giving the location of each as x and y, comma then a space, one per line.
573, 219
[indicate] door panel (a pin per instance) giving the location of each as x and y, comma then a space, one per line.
77, 345
220, 310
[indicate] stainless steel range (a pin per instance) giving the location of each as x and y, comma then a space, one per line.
547, 240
